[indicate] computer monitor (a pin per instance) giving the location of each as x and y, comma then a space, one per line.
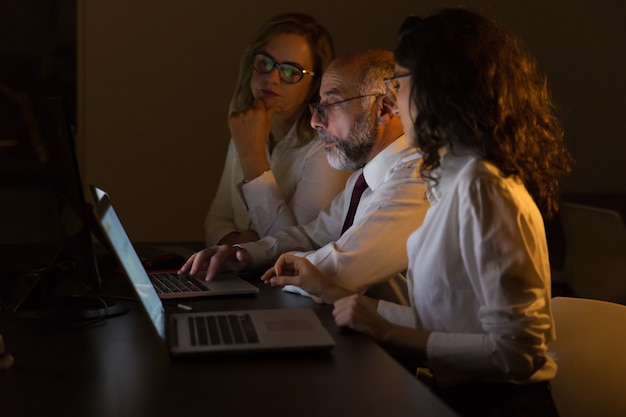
45, 220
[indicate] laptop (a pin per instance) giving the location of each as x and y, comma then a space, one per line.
215, 332
168, 284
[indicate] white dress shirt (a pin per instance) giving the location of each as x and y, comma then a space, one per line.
299, 184
479, 278
373, 249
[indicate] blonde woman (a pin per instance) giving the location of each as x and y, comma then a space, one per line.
276, 173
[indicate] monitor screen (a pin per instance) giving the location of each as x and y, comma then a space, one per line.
43, 212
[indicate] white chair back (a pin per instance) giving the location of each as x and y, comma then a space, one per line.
590, 351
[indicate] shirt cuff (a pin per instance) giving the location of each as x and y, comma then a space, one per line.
258, 253
296, 290
457, 347
248, 187
396, 313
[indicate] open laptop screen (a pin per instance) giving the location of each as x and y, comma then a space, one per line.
130, 262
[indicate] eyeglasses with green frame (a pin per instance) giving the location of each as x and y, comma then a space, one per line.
288, 72
320, 109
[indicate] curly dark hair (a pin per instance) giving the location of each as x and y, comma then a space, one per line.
473, 84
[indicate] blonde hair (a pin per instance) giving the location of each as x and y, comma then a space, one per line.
323, 51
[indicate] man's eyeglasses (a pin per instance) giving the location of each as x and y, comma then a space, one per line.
392, 85
289, 73
320, 109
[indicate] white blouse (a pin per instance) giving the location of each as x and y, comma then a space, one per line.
479, 278
299, 184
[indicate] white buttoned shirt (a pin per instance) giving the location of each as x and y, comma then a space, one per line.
479, 278
299, 184
373, 250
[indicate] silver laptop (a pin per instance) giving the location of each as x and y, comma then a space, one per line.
223, 331
168, 284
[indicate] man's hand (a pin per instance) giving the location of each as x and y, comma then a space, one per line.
216, 259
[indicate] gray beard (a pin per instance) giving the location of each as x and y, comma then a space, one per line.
353, 153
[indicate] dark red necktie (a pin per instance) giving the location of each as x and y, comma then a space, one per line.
359, 186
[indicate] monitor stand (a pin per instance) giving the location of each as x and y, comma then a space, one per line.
73, 308
32, 297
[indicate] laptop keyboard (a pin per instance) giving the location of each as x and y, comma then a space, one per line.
171, 282
222, 329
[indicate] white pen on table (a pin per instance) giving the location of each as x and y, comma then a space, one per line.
181, 306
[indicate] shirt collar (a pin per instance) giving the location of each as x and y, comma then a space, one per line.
451, 163
376, 169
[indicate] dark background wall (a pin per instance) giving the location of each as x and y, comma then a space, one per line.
149, 81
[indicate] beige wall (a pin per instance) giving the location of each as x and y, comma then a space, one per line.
155, 78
